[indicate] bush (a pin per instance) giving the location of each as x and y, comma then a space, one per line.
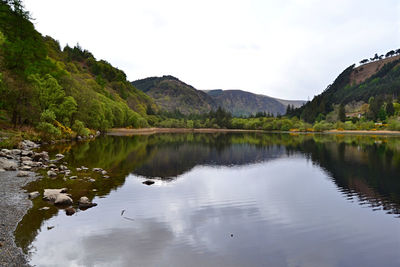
80, 129
48, 131
394, 125
47, 116
323, 126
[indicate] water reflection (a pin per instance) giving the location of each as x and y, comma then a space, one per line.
277, 195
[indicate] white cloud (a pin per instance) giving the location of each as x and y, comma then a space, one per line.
288, 49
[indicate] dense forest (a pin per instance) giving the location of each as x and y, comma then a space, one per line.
55, 89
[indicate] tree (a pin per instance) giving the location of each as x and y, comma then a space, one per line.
390, 108
364, 61
342, 113
375, 57
390, 53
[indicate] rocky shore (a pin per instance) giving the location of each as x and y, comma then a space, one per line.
18, 168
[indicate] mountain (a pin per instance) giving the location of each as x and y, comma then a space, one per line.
172, 94
240, 102
379, 79
43, 84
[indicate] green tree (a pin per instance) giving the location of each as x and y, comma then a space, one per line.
342, 113
390, 108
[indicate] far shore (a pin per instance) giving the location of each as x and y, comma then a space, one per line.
149, 131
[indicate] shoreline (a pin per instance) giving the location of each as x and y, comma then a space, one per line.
14, 205
150, 131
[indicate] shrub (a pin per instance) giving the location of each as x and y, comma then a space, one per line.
48, 131
80, 129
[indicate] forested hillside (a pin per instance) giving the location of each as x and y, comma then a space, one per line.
46, 86
374, 84
171, 94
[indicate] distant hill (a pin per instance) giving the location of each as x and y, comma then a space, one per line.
240, 102
170, 94
379, 78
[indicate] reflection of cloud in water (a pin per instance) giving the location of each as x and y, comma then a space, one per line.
280, 214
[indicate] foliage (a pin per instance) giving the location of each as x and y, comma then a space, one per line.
80, 129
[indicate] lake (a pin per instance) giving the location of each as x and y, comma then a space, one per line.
223, 199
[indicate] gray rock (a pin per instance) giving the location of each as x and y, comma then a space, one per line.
25, 158
8, 165
73, 177
33, 195
59, 156
51, 173
51, 194
26, 153
29, 163
63, 199
27, 144
16, 152
97, 169
103, 172
84, 168
22, 174
53, 166
106, 176
45, 208
26, 168
98, 133
92, 180
78, 169
84, 203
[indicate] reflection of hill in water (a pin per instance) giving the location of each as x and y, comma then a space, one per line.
173, 160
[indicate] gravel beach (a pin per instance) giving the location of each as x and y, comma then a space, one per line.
14, 203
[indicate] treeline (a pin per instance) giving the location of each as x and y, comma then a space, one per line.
54, 89
390, 53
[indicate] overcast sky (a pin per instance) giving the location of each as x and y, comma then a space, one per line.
288, 49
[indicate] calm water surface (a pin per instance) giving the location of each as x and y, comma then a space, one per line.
224, 200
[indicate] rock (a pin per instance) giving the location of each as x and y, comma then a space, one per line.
26, 168
98, 133
103, 172
79, 138
16, 152
43, 156
63, 167
97, 169
59, 156
33, 195
22, 174
70, 211
73, 177
44, 208
106, 176
53, 166
8, 165
2, 170
94, 190
91, 136
51, 194
148, 182
6, 151
84, 168
27, 145
24, 158
26, 153
51, 173
84, 203
78, 169
92, 180
29, 163
63, 199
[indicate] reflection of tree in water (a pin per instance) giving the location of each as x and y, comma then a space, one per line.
362, 166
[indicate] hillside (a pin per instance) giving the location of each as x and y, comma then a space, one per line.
379, 79
240, 102
172, 94
41, 83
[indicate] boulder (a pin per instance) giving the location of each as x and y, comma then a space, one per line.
84, 168
63, 199
43, 156
16, 152
8, 165
70, 211
51, 194
25, 158
26, 153
51, 173
27, 145
59, 156
45, 208
73, 177
26, 168
22, 174
78, 169
97, 169
148, 182
103, 172
84, 203
33, 195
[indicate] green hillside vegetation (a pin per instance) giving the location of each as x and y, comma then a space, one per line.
172, 95
377, 92
55, 89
